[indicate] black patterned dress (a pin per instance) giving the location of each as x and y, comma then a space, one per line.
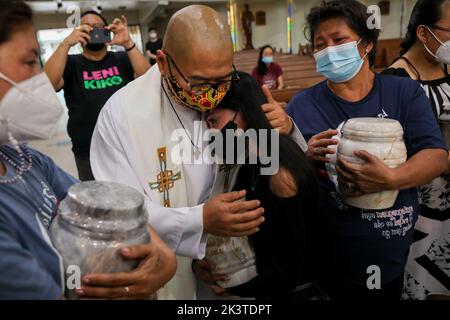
428, 268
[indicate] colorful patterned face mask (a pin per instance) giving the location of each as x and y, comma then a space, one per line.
205, 101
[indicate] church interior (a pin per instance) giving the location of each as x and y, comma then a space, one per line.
258, 150
278, 23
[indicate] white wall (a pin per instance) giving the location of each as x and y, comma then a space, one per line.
275, 30
301, 10
58, 20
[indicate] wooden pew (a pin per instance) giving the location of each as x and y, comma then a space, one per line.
285, 95
300, 70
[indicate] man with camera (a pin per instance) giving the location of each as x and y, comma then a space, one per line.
91, 78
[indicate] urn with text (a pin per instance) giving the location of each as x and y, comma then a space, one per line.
382, 138
233, 257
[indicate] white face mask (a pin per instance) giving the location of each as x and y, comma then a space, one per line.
30, 110
443, 53
153, 36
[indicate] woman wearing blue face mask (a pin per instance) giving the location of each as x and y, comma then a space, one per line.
344, 44
425, 58
31, 184
268, 72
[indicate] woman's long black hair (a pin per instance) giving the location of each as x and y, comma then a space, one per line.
246, 96
425, 12
262, 67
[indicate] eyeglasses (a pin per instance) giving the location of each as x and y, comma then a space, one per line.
440, 28
201, 88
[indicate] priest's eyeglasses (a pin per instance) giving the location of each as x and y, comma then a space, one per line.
201, 88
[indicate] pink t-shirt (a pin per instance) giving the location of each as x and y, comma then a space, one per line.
270, 77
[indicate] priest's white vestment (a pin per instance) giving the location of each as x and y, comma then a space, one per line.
132, 144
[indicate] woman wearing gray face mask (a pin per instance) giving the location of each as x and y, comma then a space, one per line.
31, 184
425, 57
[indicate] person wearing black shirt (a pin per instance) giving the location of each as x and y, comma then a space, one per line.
91, 78
152, 45
289, 244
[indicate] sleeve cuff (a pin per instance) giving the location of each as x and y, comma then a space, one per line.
297, 136
193, 240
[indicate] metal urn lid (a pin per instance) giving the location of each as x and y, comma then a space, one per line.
103, 207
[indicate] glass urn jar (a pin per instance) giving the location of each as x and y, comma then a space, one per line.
94, 221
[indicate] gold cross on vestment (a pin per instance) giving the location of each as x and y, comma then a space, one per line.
165, 179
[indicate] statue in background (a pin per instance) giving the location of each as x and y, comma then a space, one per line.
247, 19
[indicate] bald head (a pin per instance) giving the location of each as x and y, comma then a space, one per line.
196, 33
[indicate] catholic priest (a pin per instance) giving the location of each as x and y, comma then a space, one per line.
133, 141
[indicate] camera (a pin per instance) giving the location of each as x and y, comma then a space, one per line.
100, 35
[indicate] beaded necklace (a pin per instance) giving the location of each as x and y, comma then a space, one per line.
22, 167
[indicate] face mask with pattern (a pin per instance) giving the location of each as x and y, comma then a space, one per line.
203, 102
